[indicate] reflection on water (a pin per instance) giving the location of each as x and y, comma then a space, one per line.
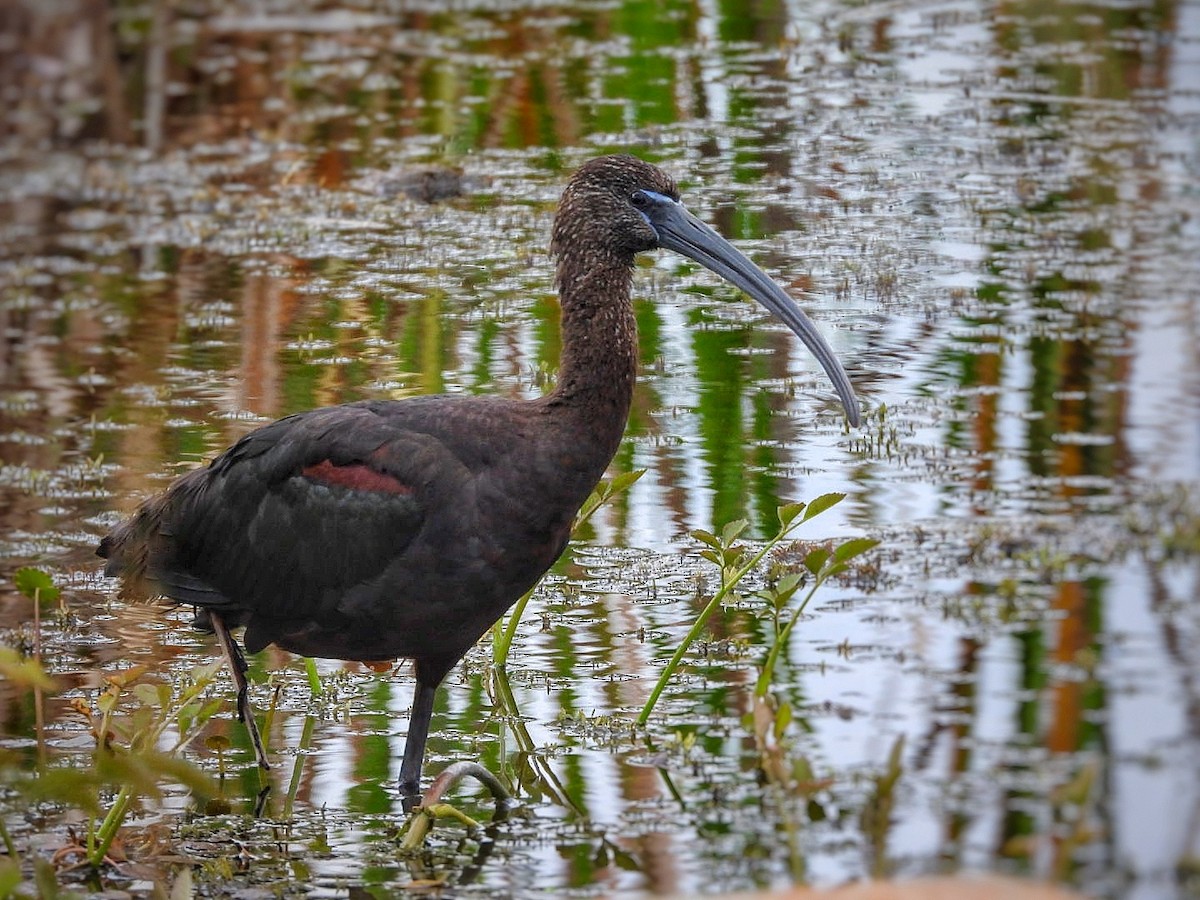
211, 220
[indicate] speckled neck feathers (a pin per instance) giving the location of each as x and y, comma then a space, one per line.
597, 234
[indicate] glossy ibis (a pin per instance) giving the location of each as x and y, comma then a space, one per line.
386, 529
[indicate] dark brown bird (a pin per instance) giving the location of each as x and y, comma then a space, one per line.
387, 529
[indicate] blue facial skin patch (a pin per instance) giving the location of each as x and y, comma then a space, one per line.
656, 198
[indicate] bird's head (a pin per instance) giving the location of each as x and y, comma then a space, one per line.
599, 208
615, 207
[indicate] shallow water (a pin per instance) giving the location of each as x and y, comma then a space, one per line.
991, 213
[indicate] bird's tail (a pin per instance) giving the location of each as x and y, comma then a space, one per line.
127, 549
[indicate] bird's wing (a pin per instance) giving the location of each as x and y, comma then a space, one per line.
298, 512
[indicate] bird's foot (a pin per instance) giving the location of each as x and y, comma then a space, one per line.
456, 772
431, 806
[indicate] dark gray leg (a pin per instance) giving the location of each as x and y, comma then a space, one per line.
418, 732
237, 665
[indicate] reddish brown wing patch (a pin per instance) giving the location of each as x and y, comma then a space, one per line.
355, 477
379, 666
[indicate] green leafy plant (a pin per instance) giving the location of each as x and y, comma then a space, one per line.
877, 814
139, 729
821, 563
36, 584
39, 587
735, 561
23, 672
136, 750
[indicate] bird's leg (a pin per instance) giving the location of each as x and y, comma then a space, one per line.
237, 665
414, 745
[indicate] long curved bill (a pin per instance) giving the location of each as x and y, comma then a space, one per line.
682, 232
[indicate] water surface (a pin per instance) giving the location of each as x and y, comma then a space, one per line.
229, 214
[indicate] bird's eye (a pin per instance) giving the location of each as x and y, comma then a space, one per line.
639, 199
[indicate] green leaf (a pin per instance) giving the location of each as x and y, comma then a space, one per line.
23, 673
815, 559
788, 583
733, 556
218, 742
210, 709
184, 719
195, 715
77, 788
590, 505
604, 492
198, 680
822, 503
802, 770
625, 480
788, 512
625, 860
145, 772
783, 591
46, 879
35, 584
10, 877
733, 530
122, 678
706, 537
314, 677
782, 719
147, 694
713, 557
852, 548
141, 723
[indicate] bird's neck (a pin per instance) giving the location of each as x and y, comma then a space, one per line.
599, 357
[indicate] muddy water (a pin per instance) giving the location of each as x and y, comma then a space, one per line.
212, 217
